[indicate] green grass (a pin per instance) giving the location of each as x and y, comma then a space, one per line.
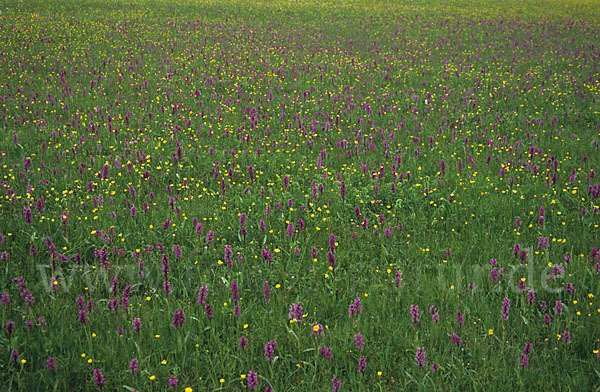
375, 94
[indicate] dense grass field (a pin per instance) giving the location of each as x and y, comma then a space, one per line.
299, 195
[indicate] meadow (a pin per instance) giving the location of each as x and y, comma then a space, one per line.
299, 195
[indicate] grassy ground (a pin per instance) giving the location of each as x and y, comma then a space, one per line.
183, 183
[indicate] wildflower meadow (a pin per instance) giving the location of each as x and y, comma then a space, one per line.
299, 195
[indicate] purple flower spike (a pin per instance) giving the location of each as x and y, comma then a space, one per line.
266, 291
134, 365
362, 365
202, 294
270, 348
456, 340
398, 279
558, 308
505, 308
326, 352
9, 327
414, 313
235, 294
99, 377
355, 308
420, 357
524, 361
137, 324
51, 364
243, 342
295, 313
358, 341
252, 380
178, 319
336, 384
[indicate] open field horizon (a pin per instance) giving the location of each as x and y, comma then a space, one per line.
299, 195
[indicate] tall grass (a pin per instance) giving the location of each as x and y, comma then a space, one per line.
400, 195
